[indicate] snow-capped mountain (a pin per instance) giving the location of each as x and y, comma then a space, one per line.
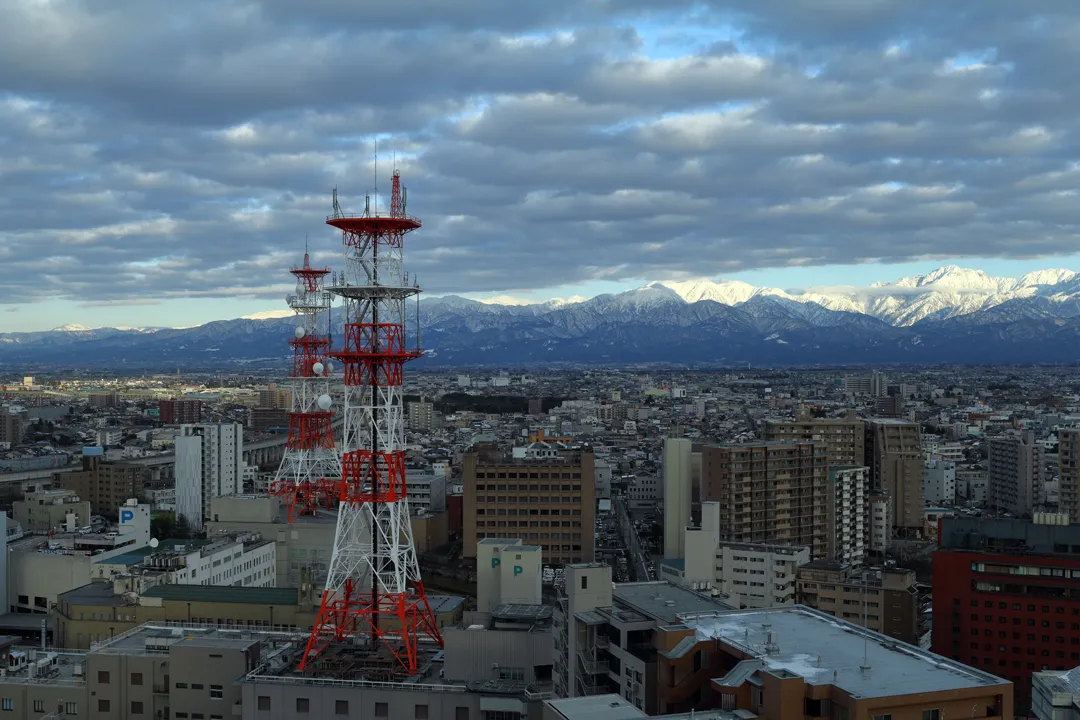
949, 315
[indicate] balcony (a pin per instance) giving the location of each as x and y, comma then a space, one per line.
602, 642
592, 667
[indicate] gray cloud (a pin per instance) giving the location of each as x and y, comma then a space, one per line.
153, 150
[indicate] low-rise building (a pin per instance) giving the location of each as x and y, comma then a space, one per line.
43, 511
882, 599
1055, 694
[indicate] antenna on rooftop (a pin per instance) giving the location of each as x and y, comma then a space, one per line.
866, 631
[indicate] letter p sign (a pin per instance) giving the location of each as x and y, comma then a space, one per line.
518, 570
126, 515
495, 562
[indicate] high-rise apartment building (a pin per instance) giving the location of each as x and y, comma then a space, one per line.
546, 498
1015, 472
939, 482
421, 415
879, 530
11, 427
894, 455
1069, 473
769, 492
843, 438
678, 461
875, 384
180, 412
275, 398
209, 464
104, 399
1007, 596
846, 514
105, 485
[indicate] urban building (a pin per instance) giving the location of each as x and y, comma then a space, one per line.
939, 482
972, 485
12, 428
894, 455
1069, 473
266, 420
880, 521
546, 498
889, 406
1055, 694
44, 511
273, 397
1007, 595
751, 575
875, 384
843, 438
209, 464
791, 664
104, 399
770, 492
645, 492
421, 415
105, 485
426, 491
180, 412
1015, 473
882, 599
678, 487
606, 639
847, 513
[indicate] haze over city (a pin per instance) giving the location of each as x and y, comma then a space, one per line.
164, 162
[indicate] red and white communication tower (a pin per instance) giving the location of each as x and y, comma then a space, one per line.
310, 471
374, 590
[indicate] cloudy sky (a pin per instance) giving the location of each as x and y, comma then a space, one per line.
161, 162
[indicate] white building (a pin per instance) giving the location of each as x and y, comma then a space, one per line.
209, 464
678, 481
880, 523
507, 573
107, 437
847, 510
645, 492
1015, 472
426, 491
602, 470
939, 482
760, 575
236, 559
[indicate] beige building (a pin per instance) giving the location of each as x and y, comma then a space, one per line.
45, 511
105, 485
894, 455
547, 498
770, 492
843, 438
1015, 472
1069, 470
886, 598
421, 415
795, 664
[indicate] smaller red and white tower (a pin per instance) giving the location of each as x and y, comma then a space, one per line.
310, 471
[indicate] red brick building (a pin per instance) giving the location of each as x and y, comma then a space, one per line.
1006, 597
179, 412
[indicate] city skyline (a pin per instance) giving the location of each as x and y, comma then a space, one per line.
165, 169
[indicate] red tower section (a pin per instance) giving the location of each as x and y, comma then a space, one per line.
374, 591
310, 471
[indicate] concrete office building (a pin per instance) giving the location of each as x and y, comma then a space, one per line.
879, 532
645, 492
894, 455
180, 411
507, 572
939, 482
771, 492
546, 499
209, 464
105, 485
752, 575
1055, 694
793, 664
45, 511
426, 491
1069, 473
677, 494
881, 599
421, 415
846, 513
1015, 473
12, 427
843, 438
606, 638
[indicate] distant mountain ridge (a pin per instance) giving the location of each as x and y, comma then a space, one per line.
951, 315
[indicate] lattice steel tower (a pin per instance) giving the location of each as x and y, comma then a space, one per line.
310, 471
374, 589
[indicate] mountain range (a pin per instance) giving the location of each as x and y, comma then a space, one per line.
951, 315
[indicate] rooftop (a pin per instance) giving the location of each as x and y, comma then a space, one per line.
614, 707
664, 601
226, 594
827, 651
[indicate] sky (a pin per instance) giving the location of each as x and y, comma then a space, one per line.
162, 163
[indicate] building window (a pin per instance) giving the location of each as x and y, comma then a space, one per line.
217, 692
102, 705
103, 677
71, 708
382, 710
421, 712
264, 703
39, 706
136, 678
934, 714
461, 713
341, 707
8, 705
886, 716
136, 707
303, 705
584, 582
